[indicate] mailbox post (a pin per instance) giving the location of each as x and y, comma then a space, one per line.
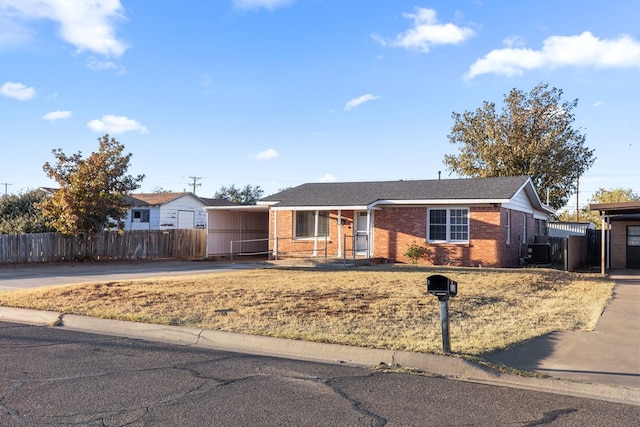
443, 288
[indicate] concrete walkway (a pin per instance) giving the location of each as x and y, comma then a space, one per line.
608, 355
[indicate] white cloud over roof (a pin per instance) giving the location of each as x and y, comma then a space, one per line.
426, 32
116, 124
17, 91
327, 178
86, 24
584, 50
57, 115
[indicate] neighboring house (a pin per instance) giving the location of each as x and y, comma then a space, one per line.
622, 220
162, 211
465, 222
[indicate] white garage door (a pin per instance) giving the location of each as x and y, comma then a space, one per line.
186, 219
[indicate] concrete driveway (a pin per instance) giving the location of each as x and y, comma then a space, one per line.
608, 355
25, 276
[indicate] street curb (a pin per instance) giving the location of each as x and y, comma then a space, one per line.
33, 317
445, 366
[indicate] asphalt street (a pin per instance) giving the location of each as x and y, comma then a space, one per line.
55, 377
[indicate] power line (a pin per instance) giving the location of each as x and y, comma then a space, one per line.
195, 183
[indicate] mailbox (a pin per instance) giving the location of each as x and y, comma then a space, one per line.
439, 286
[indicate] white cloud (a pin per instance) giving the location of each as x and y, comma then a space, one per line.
57, 115
597, 104
267, 154
86, 24
265, 4
360, 100
584, 50
327, 178
97, 65
17, 91
116, 124
426, 32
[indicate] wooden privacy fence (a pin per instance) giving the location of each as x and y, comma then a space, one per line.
575, 253
108, 245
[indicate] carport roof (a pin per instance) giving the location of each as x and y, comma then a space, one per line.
621, 211
620, 208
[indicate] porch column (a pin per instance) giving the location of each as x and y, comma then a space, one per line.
275, 234
603, 246
368, 253
339, 232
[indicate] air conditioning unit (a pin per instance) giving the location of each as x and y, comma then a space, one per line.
539, 253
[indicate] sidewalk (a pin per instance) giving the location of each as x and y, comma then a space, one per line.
608, 355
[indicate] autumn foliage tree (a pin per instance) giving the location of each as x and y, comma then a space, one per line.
532, 135
92, 189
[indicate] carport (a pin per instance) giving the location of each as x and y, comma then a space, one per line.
621, 234
234, 230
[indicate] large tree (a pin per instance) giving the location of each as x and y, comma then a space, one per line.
19, 213
92, 189
248, 195
532, 135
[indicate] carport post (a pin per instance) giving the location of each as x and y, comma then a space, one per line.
603, 245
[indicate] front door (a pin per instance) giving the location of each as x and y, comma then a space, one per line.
633, 246
361, 233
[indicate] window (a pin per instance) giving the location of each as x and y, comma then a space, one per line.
633, 235
448, 225
140, 215
311, 224
541, 227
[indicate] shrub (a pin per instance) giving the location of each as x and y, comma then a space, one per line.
415, 252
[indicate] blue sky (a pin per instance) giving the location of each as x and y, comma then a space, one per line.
277, 93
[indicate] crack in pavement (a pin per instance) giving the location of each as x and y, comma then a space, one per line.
355, 404
550, 417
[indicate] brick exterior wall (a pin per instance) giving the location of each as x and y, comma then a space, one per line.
397, 227
288, 246
619, 243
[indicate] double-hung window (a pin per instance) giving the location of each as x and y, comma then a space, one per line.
448, 225
311, 224
140, 215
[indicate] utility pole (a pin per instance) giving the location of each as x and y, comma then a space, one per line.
577, 200
195, 183
6, 184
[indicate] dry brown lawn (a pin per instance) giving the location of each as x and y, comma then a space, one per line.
382, 307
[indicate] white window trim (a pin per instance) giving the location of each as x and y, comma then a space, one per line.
143, 212
316, 236
448, 224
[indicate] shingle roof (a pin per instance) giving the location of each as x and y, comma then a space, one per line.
159, 199
366, 193
219, 202
152, 199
